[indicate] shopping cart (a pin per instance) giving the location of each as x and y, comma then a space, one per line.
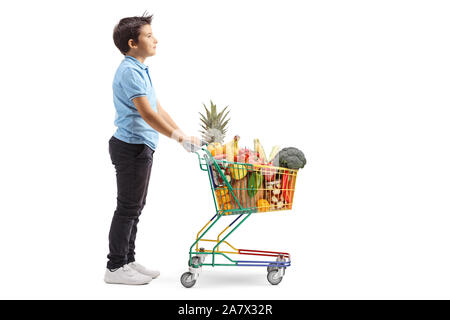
240, 189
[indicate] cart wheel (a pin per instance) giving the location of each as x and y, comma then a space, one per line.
273, 277
271, 268
274, 266
187, 280
194, 261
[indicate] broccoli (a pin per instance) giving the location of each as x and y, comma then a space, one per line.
290, 158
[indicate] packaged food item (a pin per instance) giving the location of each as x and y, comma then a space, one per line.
275, 195
269, 172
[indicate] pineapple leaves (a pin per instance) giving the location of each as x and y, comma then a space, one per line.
208, 114
204, 120
219, 116
214, 124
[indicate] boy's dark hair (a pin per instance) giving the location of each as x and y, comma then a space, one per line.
129, 28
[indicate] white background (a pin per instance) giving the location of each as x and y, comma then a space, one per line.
361, 87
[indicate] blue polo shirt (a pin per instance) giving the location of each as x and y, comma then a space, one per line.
132, 80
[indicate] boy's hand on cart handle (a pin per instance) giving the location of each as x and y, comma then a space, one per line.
189, 143
192, 144
178, 135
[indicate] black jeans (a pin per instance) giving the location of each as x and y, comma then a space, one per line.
133, 163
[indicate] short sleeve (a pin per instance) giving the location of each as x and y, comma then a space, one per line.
133, 84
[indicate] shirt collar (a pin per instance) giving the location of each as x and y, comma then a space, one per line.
137, 62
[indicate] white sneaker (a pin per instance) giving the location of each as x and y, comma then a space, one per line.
126, 275
143, 270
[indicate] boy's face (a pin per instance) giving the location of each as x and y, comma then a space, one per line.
147, 42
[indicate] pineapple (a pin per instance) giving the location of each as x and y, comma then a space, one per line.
214, 124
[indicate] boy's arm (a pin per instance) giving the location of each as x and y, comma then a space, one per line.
167, 118
157, 121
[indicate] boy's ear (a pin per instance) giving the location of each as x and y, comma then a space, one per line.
132, 43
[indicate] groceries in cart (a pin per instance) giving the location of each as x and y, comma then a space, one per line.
247, 180
243, 181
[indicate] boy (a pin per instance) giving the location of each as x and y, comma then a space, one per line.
139, 118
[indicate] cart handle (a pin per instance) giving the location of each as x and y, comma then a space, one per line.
196, 149
191, 147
